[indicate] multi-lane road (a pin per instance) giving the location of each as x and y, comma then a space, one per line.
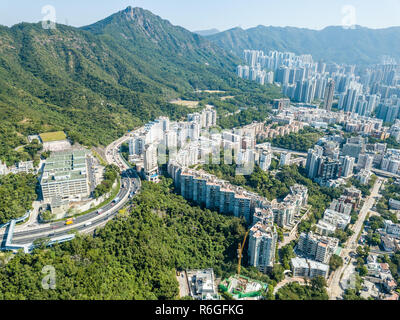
335, 290
129, 186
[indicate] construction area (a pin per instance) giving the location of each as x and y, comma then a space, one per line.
243, 288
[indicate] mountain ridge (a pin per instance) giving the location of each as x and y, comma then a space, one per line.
359, 45
98, 81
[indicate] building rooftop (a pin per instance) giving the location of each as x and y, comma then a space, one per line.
65, 165
53, 136
299, 262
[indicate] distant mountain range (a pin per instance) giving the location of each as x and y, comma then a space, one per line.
208, 32
332, 44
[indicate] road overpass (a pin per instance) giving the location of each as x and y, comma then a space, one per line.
59, 232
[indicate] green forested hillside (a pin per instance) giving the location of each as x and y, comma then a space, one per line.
134, 256
98, 81
17, 192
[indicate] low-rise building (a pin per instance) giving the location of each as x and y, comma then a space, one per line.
325, 228
331, 217
394, 204
392, 228
202, 284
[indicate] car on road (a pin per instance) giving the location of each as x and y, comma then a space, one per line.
88, 223
100, 211
115, 200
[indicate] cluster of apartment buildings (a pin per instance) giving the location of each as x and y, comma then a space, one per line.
324, 163
327, 162
206, 190
300, 77
148, 147
374, 90
338, 215
314, 253
216, 194
271, 131
210, 192
380, 273
321, 118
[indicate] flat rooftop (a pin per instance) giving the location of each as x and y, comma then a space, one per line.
53, 136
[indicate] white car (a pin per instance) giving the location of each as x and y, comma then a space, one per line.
88, 223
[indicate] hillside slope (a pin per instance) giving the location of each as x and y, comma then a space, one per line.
98, 81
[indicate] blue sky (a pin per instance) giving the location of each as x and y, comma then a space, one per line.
220, 14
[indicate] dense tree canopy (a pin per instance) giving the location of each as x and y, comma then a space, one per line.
301, 141
110, 175
296, 291
17, 192
132, 257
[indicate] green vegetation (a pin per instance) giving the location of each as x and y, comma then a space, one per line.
278, 187
391, 142
362, 255
47, 216
110, 175
53, 136
390, 191
96, 154
286, 253
14, 147
125, 151
335, 262
97, 82
394, 265
343, 235
134, 256
354, 293
17, 192
301, 141
259, 181
296, 291
365, 189
376, 222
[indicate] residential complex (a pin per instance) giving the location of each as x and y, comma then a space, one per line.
318, 248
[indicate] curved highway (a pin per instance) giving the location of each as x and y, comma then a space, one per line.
130, 185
